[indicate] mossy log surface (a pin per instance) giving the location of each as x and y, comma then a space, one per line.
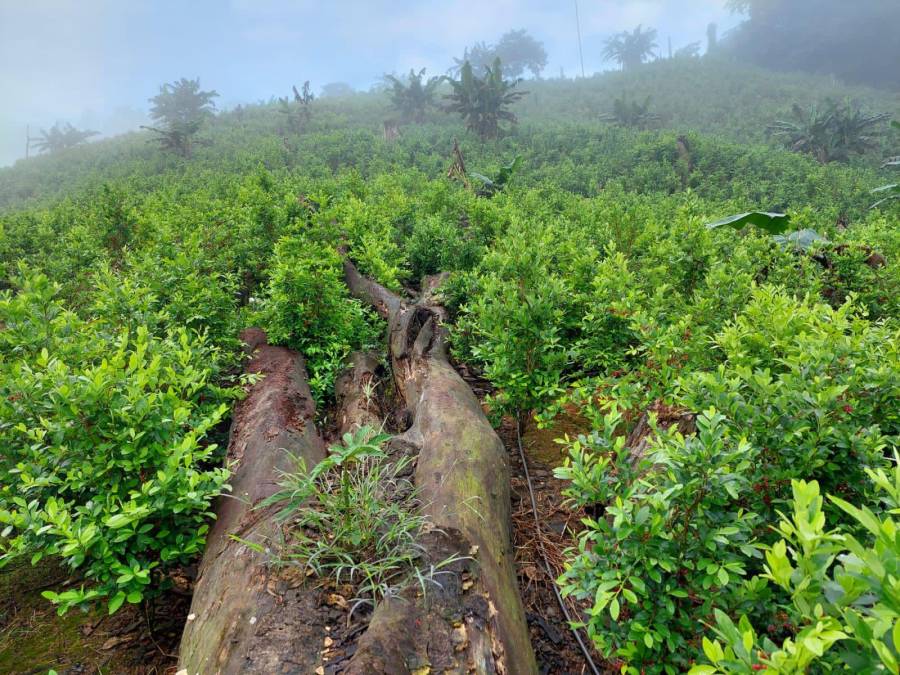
246, 615
468, 616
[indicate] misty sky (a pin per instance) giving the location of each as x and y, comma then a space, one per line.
95, 63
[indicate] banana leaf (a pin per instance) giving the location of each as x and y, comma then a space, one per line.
802, 239
773, 223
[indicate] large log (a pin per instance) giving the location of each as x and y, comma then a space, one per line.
248, 616
356, 391
470, 617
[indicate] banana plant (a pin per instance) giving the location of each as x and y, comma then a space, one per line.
491, 186
484, 102
776, 224
414, 97
631, 113
61, 137
891, 191
830, 132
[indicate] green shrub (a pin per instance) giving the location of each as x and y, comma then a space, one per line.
669, 545
801, 391
104, 460
438, 245
814, 389
310, 309
843, 591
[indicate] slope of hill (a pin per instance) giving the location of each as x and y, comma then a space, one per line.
714, 381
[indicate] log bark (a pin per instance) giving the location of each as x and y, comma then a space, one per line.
356, 390
470, 617
247, 616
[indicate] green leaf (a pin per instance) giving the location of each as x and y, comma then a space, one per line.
803, 239
713, 650
116, 601
723, 576
773, 223
117, 521
614, 609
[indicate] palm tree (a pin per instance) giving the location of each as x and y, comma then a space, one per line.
630, 49
483, 102
413, 98
61, 137
830, 132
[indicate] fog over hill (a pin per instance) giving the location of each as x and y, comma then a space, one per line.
94, 63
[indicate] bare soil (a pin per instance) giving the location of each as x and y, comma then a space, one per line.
136, 640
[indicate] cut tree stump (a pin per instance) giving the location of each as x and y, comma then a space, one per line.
467, 616
247, 616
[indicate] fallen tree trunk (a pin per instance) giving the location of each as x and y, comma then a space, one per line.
246, 616
356, 391
470, 617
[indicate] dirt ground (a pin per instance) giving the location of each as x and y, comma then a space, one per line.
136, 640
555, 645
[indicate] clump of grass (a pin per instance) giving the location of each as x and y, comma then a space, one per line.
354, 516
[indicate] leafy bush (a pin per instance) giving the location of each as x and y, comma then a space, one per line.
438, 245
104, 460
802, 391
843, 590
310, 309
669, 545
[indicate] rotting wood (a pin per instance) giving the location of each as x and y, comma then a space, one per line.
470, 617
356, 391
248, 616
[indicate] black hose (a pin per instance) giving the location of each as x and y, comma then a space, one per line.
537, 522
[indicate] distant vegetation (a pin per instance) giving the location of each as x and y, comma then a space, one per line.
830, 132
630, 49
61, 137
856, 41
336, 89
484, 102
631, 113
517, 50
414, 97
181, 107
297, 113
